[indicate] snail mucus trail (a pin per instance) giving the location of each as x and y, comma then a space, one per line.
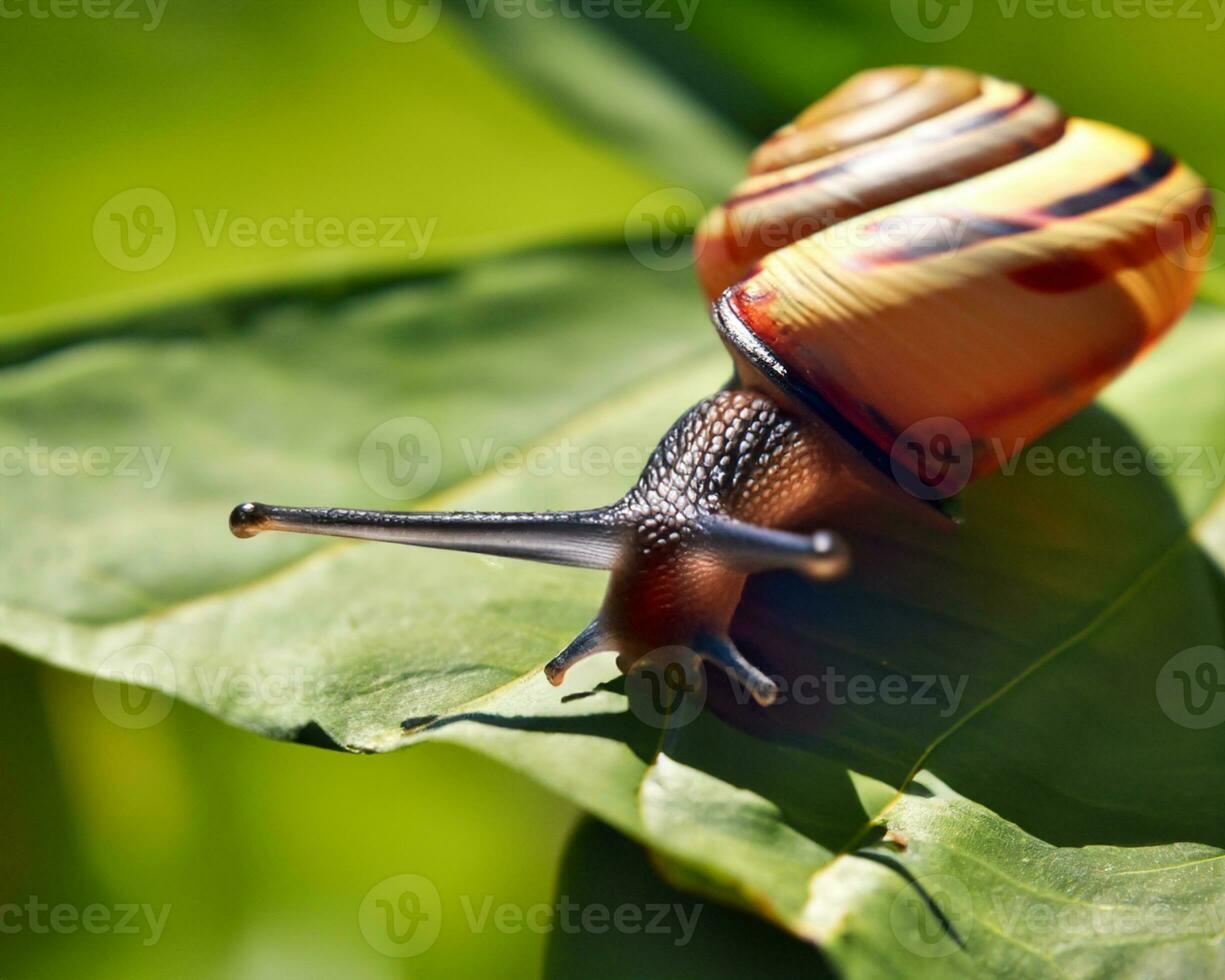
1046, 253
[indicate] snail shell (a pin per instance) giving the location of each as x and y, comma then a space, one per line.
929, 244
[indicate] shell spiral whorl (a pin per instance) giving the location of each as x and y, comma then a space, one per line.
931, 243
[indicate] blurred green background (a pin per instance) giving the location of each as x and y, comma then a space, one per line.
264, 851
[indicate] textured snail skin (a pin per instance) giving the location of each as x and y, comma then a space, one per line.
922, 245
738, 455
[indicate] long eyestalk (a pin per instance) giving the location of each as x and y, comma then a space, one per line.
750, 548
580, 539
577, 538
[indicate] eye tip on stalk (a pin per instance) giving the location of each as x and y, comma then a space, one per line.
831, 556
247, 520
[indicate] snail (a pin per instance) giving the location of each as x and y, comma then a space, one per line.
926, 265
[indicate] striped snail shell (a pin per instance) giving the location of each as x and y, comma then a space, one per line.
925, 251
935, 244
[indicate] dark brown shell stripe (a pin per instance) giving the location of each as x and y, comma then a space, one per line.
890, 151
1055, 260
976, 129
975, 228
866, 107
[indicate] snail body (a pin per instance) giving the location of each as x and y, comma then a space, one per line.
925, 259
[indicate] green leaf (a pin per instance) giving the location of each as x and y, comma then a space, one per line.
273, 400
952, 891
979, 896
1063, 599
617, 95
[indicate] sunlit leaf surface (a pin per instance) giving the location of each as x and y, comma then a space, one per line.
1052, 626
